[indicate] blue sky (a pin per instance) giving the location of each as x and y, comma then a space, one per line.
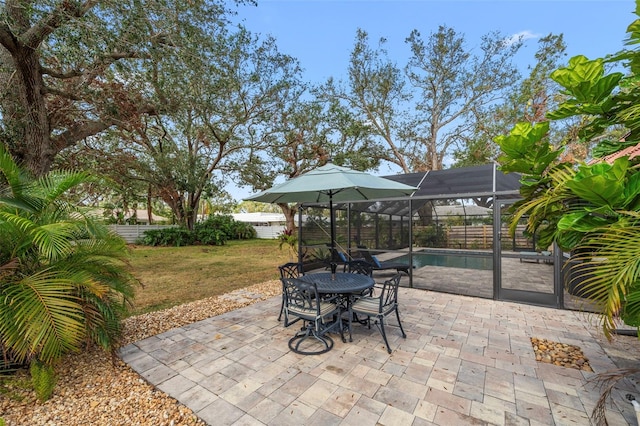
321, 33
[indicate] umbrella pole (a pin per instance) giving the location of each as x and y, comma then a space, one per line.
332, 224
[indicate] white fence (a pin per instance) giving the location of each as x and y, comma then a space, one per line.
131, 233
270, 232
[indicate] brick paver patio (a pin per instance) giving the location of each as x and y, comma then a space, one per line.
465, 361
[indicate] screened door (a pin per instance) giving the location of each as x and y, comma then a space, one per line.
524, 273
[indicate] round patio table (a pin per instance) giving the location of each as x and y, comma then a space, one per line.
344, 283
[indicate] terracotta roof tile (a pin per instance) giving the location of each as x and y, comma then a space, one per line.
631, 151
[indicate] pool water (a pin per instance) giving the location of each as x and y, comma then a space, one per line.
448, 260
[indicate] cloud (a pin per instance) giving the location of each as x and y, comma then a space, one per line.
521, 36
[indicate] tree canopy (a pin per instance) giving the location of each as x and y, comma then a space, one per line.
420, 112
72, 69
230, 89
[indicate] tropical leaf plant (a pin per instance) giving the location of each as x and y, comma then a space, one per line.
64, 283
590, 210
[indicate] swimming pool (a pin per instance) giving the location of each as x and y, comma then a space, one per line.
449, 260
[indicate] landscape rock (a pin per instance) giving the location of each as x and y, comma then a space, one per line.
94, 389
560, 354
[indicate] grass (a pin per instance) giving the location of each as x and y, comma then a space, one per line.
175, 275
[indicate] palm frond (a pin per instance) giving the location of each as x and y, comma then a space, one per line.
54, 240
55, 184
67, 281
607, 382
611, 266
46, 318
14, 175
546, 203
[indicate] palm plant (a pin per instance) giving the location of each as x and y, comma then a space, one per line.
63, 277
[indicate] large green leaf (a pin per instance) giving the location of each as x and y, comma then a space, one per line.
591, 93
522, 138
524, 150
634, 32
600, 184
569, 239
565, 110
598, 190
579, 70
581, 222
632, 191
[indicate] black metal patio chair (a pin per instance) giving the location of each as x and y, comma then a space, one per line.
288, 270
319, 315
379, 307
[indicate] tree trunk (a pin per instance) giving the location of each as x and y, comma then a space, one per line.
149, 209
290, 215
192, 212
174, 201
29, 123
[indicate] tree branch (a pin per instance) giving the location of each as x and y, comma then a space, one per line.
89, 128
6, 38
76, 133
60, 75
62, 94
64, 12
92, 69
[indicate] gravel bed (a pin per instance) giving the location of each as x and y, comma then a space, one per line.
560, 354
94, 389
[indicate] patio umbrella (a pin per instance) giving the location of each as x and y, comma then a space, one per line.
329, 184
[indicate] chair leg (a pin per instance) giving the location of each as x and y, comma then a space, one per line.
341, 329
349, 318
282, 308
384, 335
400, 324
337, 320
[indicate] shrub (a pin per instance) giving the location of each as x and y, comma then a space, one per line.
230, 228
210, 236
431, 236
216, 230
168, 237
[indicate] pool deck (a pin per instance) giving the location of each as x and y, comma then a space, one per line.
517, 275
466, 360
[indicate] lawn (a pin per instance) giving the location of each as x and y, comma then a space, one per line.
174, 275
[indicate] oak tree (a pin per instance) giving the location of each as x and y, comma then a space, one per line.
71, 69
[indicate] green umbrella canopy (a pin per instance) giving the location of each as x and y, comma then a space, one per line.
331, 183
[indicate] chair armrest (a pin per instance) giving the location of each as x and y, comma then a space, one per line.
376, 286
329, 297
